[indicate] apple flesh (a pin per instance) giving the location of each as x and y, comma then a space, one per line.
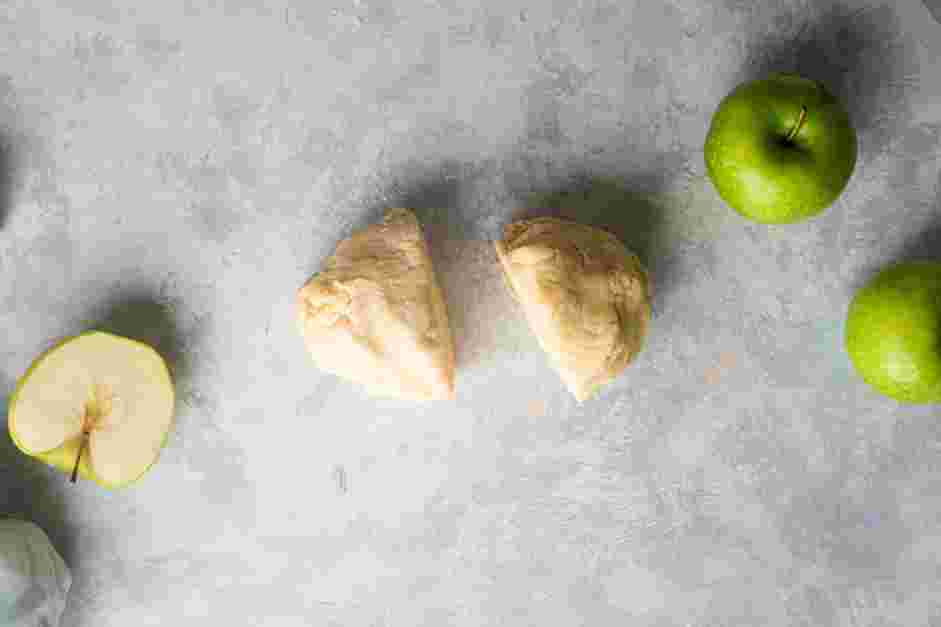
97, 405
781, 149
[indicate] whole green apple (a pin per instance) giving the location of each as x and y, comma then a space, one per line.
780, 149
893, 332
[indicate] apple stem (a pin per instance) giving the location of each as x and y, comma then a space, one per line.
800, 122
78, 458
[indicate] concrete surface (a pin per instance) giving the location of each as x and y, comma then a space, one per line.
175, 170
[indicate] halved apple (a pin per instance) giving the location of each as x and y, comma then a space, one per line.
96, 405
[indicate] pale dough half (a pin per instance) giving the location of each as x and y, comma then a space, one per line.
585, 296
375, 314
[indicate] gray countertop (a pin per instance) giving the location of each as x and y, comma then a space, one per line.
175, 170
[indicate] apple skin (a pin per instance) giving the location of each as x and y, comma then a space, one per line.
763, 175
63, 457
893, 332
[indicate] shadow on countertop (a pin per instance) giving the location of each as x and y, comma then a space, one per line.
13, 147
626, 207
432, 191
862, 55
925, 245
438, 195
9, 172
141, 314
922, 245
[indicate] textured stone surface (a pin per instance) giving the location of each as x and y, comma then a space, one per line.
175, 170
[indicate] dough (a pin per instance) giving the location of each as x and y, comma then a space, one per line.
34, 581
586, 297
376, 316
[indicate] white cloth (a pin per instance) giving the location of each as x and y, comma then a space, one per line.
34, 581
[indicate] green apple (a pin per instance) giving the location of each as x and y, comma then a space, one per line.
780, 149
893, 332
96, 405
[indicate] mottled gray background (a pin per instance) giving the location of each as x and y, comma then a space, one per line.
175, 170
